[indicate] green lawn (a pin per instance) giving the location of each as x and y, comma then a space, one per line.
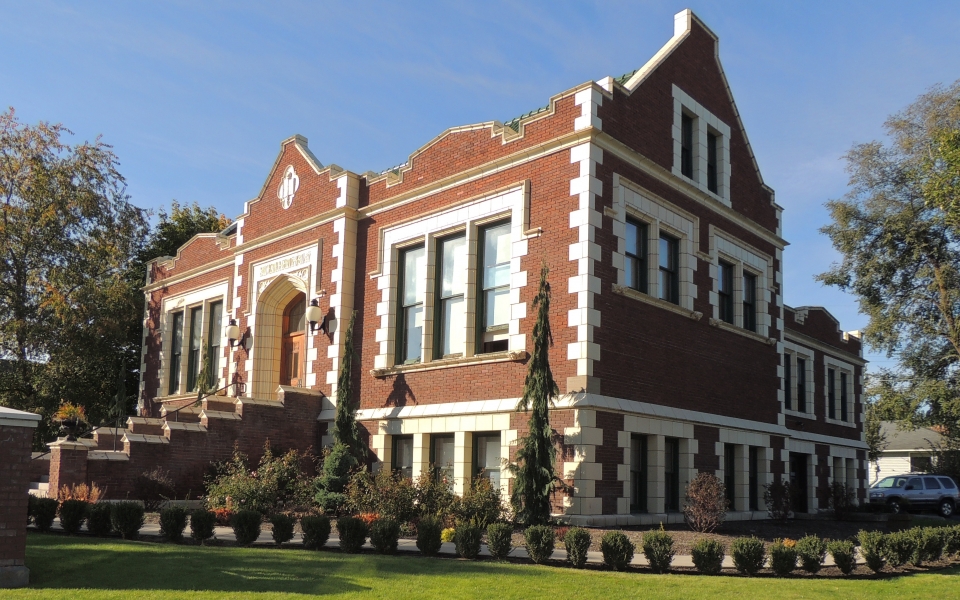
80, 568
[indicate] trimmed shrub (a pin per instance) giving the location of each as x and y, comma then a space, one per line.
316, 531
872, 549
811, 550
201, 525
173, 520
384, 535
481, 504
98, 519
500, 539
387, 494
448, 534
282, 528
577, 542
929, 543
353, 533
429, 535
658, 550
153, 488
706, 502
334, 475
842, 553
617, 550
467, 539
246, 526
783, 557
951, 544
44, 510
540, 541
898, 547
72, 515
127, 518
708, 556
748, 555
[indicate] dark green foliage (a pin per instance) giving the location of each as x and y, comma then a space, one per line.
127, 518
388, 495
811, 551
428, 535
617, 550
173, 520
577, 543
842, 499
98, 519
658, 550
345, 421
843, 557
929, 545
898, 547
481, 504
282, 528
153, 488
434, 497
708, 556
246, 526
72, 515
278, 483
500, 539
534, 475
540, 542
330, 484
43, 511
202, 523
952, 540
353, 533
872, 549
316, 531
748, 555
783, 558
384, 535
777, 497
467, 540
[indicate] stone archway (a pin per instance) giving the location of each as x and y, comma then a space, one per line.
268, 332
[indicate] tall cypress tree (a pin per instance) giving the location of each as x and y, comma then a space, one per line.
345, 422
534, 475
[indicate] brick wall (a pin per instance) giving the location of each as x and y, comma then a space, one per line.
16, 436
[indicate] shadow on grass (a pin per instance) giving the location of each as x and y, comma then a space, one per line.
58, 562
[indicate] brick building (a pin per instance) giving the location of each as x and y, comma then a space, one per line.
672, 346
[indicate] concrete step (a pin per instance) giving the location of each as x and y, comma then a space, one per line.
40, 485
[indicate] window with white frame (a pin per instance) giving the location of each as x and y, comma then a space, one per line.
493, 301
798, 380
701, 144
725, 291
635, 255
413, 277
193, 330
740, 294
838, 391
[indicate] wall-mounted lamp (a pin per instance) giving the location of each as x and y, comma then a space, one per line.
315, 316
233, 333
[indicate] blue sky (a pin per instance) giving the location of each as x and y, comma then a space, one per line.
195, 97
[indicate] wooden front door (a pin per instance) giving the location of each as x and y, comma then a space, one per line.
292, 343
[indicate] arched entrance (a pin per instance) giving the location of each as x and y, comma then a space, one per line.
293, 342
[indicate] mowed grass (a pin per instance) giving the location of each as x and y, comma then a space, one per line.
86, 568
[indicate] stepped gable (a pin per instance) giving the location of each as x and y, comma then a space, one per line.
816, 322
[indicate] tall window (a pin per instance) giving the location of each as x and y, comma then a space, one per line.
669, 269
293, 342
672, 474
754, 478
196, 340
832, 393
486, 460
788, 377
725, 291
214, 329
712, 162
403, 455
686, 146
801, 384
638, 473
451, 317
843, 396
494, 298
441, 456
413, 274
750, 302
635, 263
729, 474
176, 352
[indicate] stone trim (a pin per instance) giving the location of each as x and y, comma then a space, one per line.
648, 299
446, 363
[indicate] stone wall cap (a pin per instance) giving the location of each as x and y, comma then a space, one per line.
65, 444
12, 417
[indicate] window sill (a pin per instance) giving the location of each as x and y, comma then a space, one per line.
444, 363
839, 422
648, 299
741, 331
802, 415
175, 397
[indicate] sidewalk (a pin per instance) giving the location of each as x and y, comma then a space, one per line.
447, 548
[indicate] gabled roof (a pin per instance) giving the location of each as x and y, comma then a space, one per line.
904, 439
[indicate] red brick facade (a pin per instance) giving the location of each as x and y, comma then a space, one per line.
16, 435
672, 375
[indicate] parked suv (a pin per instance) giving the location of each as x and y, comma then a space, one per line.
918, 491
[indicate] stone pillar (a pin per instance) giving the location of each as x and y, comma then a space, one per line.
462, 461
16, 435
68, 464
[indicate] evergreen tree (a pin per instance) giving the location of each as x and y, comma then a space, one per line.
345, 423
534, 476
